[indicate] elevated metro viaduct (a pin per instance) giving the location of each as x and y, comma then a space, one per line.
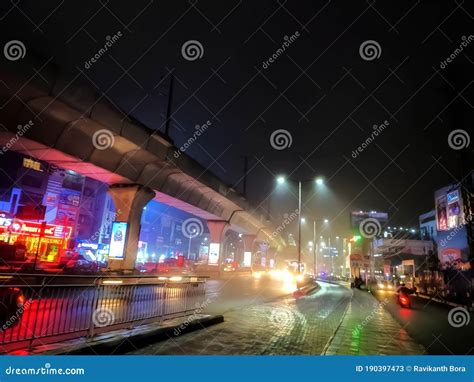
139, 166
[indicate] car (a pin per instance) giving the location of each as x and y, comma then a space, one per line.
80, 264
12, 304
385, 285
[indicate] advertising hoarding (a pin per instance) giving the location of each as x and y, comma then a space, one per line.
117, 240
441, 213
454, 209
449, 208
214, 253
358, 216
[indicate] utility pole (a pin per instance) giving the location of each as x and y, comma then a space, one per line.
168, 106
244, 183
330, 254
299, 227
315, 259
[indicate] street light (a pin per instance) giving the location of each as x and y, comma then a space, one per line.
315, 252
281, 180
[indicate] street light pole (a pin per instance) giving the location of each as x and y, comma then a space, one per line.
319, 181
299, 227
314, 250
330, 254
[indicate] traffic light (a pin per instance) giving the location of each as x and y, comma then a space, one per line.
355, 238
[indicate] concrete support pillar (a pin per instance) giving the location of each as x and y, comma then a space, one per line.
129, 201
248, 246
217, 230
271, 257
263, 248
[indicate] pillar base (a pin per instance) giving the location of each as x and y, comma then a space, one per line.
129, 201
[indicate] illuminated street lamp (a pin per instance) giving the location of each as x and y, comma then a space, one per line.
281, 180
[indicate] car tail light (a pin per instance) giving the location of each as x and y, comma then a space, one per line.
20, 299
404, 300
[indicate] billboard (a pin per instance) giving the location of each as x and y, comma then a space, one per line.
449, 208
214, 253
117, 240
454, 209
358, 216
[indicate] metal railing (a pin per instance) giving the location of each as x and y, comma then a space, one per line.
40, 311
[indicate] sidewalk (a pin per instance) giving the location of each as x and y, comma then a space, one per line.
122, 340
368, 329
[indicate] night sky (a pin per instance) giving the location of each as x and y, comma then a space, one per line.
320, 89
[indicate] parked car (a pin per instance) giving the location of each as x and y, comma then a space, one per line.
80, 264
12, 256
12, 301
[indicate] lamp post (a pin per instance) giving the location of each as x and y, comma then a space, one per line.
315, 259
299, 227
315, 256
281, 180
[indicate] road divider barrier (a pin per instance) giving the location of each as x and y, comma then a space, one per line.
59, 308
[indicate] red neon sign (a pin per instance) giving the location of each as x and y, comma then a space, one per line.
36, 229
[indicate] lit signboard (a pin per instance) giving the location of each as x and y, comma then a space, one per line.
247, 259
214, 253
32, 164
117, 240
449, 213
357, 217
5, 220
40, 229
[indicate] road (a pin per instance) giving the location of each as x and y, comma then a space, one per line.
239, 291
427, 323
257, 323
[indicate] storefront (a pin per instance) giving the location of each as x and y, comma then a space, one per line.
47, 240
